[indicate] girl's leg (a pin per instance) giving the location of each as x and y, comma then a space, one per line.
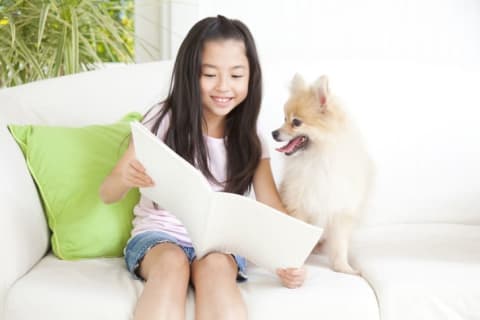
217, 295
166, 271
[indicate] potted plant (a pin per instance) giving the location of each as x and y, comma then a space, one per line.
48, 38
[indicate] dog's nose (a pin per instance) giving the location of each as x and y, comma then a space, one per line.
275, 134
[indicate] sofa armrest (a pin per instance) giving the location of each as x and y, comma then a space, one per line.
23, 229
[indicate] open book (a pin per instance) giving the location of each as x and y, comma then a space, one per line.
220, 221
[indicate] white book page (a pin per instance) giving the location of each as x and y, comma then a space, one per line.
179, 187
265, 236
218, 221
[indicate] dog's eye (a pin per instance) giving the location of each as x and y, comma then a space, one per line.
296, 123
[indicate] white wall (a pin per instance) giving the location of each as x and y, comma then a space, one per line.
432, 31
422, 30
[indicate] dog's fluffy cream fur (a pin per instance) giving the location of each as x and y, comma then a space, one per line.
328, 172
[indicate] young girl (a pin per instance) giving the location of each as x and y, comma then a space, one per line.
210, 119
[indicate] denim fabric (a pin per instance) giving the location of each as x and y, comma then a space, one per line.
138, 246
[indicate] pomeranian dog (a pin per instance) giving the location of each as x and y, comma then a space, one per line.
327, 172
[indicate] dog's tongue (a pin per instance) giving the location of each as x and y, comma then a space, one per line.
291, 145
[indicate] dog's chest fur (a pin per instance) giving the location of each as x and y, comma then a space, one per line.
326, 180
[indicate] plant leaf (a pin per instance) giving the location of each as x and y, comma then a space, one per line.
75, 50
47, 38
28, 56
59, 54
13, 31
42, 22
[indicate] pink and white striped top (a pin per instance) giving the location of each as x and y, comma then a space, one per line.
149, 218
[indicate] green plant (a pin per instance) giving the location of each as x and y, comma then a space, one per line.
48, 38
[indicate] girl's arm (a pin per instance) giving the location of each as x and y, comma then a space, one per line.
128, 173
264, 186
266, 192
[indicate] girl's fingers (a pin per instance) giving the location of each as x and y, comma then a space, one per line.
292, 273
292, 278
295, 271
137, 165
292, 284
139, 177
137, 182
135, 179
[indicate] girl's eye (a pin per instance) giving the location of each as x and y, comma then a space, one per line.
296, 122
208, 75
236, 76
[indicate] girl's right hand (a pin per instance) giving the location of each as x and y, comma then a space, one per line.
134, 175
128, 173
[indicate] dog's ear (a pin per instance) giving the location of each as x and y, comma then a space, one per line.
322, 90
297, 83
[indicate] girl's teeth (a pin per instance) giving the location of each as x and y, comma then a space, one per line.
222, 99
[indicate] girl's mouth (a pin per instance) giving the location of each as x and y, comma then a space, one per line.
222, 100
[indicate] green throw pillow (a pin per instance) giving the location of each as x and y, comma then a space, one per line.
68, 166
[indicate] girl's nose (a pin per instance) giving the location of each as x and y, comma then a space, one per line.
222, 84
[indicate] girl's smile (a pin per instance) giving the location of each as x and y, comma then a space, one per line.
222, 102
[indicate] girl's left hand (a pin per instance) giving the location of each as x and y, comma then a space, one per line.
292, 277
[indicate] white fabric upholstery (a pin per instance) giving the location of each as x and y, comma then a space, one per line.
101, 96
419, 271
87, 289
103, 289
325, 295
23, 229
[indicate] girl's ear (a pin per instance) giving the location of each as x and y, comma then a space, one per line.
322, 91
297, 83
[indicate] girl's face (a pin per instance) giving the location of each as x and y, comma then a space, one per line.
223, 78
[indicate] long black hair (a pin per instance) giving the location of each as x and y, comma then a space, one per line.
183, 103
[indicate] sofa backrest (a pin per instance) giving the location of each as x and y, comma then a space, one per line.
101, 96
418, 121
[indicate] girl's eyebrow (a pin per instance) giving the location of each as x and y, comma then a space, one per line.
207, 65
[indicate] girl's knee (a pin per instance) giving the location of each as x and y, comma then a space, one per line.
215, 265
164, 258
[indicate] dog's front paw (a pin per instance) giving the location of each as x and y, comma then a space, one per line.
344, 267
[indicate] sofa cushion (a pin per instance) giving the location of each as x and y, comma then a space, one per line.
422, 271
68, 166
85, 289
100, 96
102, 289
23, 229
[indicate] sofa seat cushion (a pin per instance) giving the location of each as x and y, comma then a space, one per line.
325, 295
102, 289
422, 271
76, 290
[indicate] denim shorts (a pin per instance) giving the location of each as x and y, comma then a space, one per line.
138, 246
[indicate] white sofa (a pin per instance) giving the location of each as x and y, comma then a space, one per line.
418, 249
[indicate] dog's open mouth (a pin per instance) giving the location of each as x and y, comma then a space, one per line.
297, 143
